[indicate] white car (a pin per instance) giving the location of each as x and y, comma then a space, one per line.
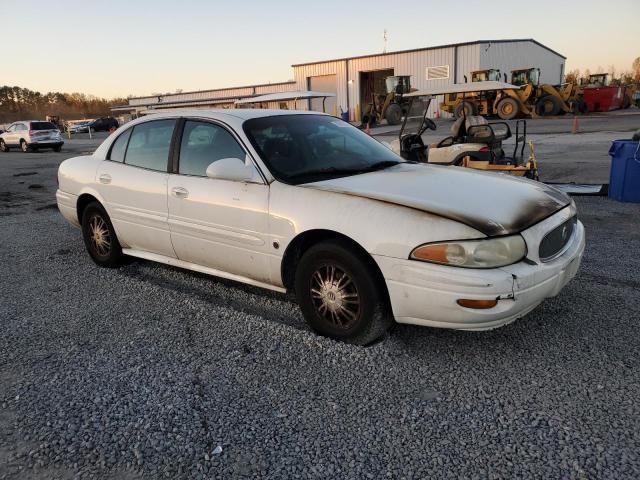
305, 202
31, 135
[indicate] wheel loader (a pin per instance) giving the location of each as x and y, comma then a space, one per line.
506, 104
473, 143
531, 99
390, 105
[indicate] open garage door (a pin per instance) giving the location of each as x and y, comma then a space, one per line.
324, 83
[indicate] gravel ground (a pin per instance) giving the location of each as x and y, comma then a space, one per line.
149, 371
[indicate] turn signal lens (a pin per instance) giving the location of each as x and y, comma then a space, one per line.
477, 304
488, 253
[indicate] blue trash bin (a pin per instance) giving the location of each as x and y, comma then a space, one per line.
344, 116
624, 177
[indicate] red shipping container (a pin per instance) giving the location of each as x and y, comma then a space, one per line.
603, 99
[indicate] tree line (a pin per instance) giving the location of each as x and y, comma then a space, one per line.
18, 103
625, 77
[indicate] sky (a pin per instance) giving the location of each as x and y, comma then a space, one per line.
117, 48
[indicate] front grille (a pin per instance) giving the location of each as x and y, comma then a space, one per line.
554, 242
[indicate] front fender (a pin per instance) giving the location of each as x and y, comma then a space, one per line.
381, 228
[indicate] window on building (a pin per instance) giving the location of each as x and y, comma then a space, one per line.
438, 73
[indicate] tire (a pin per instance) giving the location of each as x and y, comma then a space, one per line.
329, 305
548, 105
468, 108
3, 146
580, 106
97, 229
58, 148
508, 108
393, 115
369, 116
24, 147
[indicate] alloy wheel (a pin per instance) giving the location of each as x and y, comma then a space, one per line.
335, 296
99, 236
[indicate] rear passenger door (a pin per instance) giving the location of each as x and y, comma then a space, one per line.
133, 182
220, 224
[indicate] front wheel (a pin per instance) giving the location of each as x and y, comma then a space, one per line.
3, 146
508, 108
340, 294
100, 237
24, 147
393, 115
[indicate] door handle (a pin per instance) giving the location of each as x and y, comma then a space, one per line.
180, 192
105, 178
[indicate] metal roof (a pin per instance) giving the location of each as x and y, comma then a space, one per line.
463, 88
288, 82
450, 45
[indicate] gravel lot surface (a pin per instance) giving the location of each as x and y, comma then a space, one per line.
149, 371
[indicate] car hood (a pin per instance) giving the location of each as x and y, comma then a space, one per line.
492, 203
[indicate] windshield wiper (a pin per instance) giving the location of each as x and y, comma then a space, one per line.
346, 171
381, 165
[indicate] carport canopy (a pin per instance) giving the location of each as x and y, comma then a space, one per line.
285, 96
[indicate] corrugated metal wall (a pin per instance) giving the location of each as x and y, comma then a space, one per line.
410, 63
517, 55
302, 73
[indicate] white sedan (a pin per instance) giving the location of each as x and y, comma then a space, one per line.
305, 202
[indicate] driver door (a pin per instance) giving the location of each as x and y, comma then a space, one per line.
219, 224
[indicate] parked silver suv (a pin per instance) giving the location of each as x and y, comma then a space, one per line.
31, 135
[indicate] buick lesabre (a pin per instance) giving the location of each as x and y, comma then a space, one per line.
304, 202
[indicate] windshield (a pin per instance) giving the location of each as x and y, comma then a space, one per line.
307, 148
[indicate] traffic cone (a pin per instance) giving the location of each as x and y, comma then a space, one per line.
575, 127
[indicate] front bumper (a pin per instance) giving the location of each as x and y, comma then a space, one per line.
67, 204
426, 294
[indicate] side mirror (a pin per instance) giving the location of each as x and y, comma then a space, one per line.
233, 169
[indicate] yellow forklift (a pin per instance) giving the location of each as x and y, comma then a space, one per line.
390, 105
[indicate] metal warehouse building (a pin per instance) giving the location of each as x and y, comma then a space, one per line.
353, 78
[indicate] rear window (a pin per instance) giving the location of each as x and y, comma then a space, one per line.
42, 126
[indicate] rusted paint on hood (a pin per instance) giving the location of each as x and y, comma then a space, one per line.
492, 203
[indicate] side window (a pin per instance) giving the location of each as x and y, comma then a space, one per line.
149, 145
204, 143
12, 128
119, 146
20, 127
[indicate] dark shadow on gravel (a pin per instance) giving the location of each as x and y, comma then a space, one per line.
256, 308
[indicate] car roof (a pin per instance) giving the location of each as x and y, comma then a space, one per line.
240, 113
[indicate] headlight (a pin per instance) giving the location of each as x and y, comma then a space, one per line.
489, 253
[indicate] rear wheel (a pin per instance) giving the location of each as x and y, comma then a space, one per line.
548, 105
100, 237
580, 106
3, 146
467, 109
57, 148
340, 294
508, 108
24, 146
368, 116
393, 114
